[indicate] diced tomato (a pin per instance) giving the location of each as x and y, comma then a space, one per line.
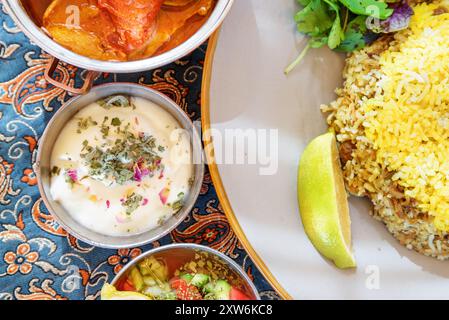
119, 283
126, 285
176, 282
184, 291
236, 294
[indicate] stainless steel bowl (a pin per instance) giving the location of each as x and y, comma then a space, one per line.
54, 127
186, 250
35, 33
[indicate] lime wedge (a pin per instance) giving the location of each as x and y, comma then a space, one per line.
323, 201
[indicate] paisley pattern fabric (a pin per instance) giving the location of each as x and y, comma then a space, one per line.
38, 259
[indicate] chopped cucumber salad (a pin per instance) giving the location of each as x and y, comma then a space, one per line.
150, 280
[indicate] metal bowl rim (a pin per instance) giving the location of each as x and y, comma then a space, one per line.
69, 229
27, 25
221, 255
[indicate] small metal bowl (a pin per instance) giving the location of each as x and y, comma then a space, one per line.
184, 252
35, 33
57, 123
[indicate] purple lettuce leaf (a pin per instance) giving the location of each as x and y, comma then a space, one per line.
399, 20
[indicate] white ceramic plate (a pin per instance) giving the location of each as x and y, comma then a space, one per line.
248, 90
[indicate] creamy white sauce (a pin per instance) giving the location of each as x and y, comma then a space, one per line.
97, 202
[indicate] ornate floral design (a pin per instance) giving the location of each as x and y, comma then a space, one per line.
45, 220
122, 257
44, 261
6, 188
210, 228
27, 89
22, 260
207, 181
29, 177
44, 292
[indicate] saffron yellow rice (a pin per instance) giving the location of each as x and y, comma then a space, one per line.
391, 119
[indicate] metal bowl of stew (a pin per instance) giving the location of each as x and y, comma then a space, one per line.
19, 14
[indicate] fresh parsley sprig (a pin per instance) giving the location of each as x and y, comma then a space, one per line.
342, 24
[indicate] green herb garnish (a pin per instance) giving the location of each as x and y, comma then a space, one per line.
124, 158
55, 170
373, 8
339, 24
85, 123
121, 101
116, 122
354, 36
104, 128
162, 220
70, 177
132, 203
179, 203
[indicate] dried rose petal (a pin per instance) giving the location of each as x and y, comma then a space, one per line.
108, 204
163, 195
145, 202
72, 174
140, 170
120, 219
137, 174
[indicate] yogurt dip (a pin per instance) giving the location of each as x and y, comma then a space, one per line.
121, 166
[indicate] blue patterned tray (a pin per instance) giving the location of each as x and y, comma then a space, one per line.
39, 260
